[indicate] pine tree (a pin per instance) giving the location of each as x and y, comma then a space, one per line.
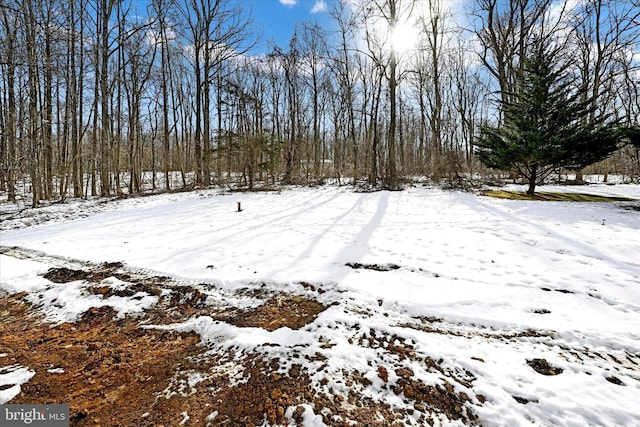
546, 125
631, 135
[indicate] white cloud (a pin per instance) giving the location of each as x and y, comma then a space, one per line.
319, 6
288, 2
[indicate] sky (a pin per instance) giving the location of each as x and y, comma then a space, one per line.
277, 19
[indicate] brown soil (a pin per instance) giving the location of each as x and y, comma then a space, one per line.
112, 369
291, 311
114, 372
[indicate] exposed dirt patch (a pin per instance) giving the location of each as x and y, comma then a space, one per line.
615, 380
543, 367
562, 291
313, 288
430, 325
113, 371
523, 400
437, 399
374, 267
129, 291
95, 275
66, 275
108, 370
631, 207
429, 400
290, 310
266, 394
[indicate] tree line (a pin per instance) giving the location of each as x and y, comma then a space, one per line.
101, 98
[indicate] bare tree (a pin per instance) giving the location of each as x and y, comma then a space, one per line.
76, 94
470, 90
392, 14
105, 10
35, 152
291, 63
219, 30
8, 119
139, 56
504, 33
315, 54
605, 32
343, 68
433, 29
160, 9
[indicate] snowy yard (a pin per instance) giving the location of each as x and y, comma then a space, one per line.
421, 306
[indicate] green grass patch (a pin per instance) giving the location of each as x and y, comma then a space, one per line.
553, 197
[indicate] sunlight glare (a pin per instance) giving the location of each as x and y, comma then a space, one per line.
404, 38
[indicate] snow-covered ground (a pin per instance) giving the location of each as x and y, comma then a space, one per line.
482, 285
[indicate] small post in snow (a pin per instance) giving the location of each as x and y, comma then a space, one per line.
239, 208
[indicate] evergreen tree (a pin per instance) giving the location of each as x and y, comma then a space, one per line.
631, 135
546, 126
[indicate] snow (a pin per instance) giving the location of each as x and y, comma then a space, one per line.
11, 378
502, 281
63, 303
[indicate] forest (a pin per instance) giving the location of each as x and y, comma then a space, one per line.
119, 97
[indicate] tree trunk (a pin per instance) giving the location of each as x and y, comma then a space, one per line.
105, 135
9, 133
33, 78
47, 119
532, 179
77, 114
198, 117
392, 174
166, 148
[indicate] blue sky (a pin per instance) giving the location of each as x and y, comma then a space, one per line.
277, 18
